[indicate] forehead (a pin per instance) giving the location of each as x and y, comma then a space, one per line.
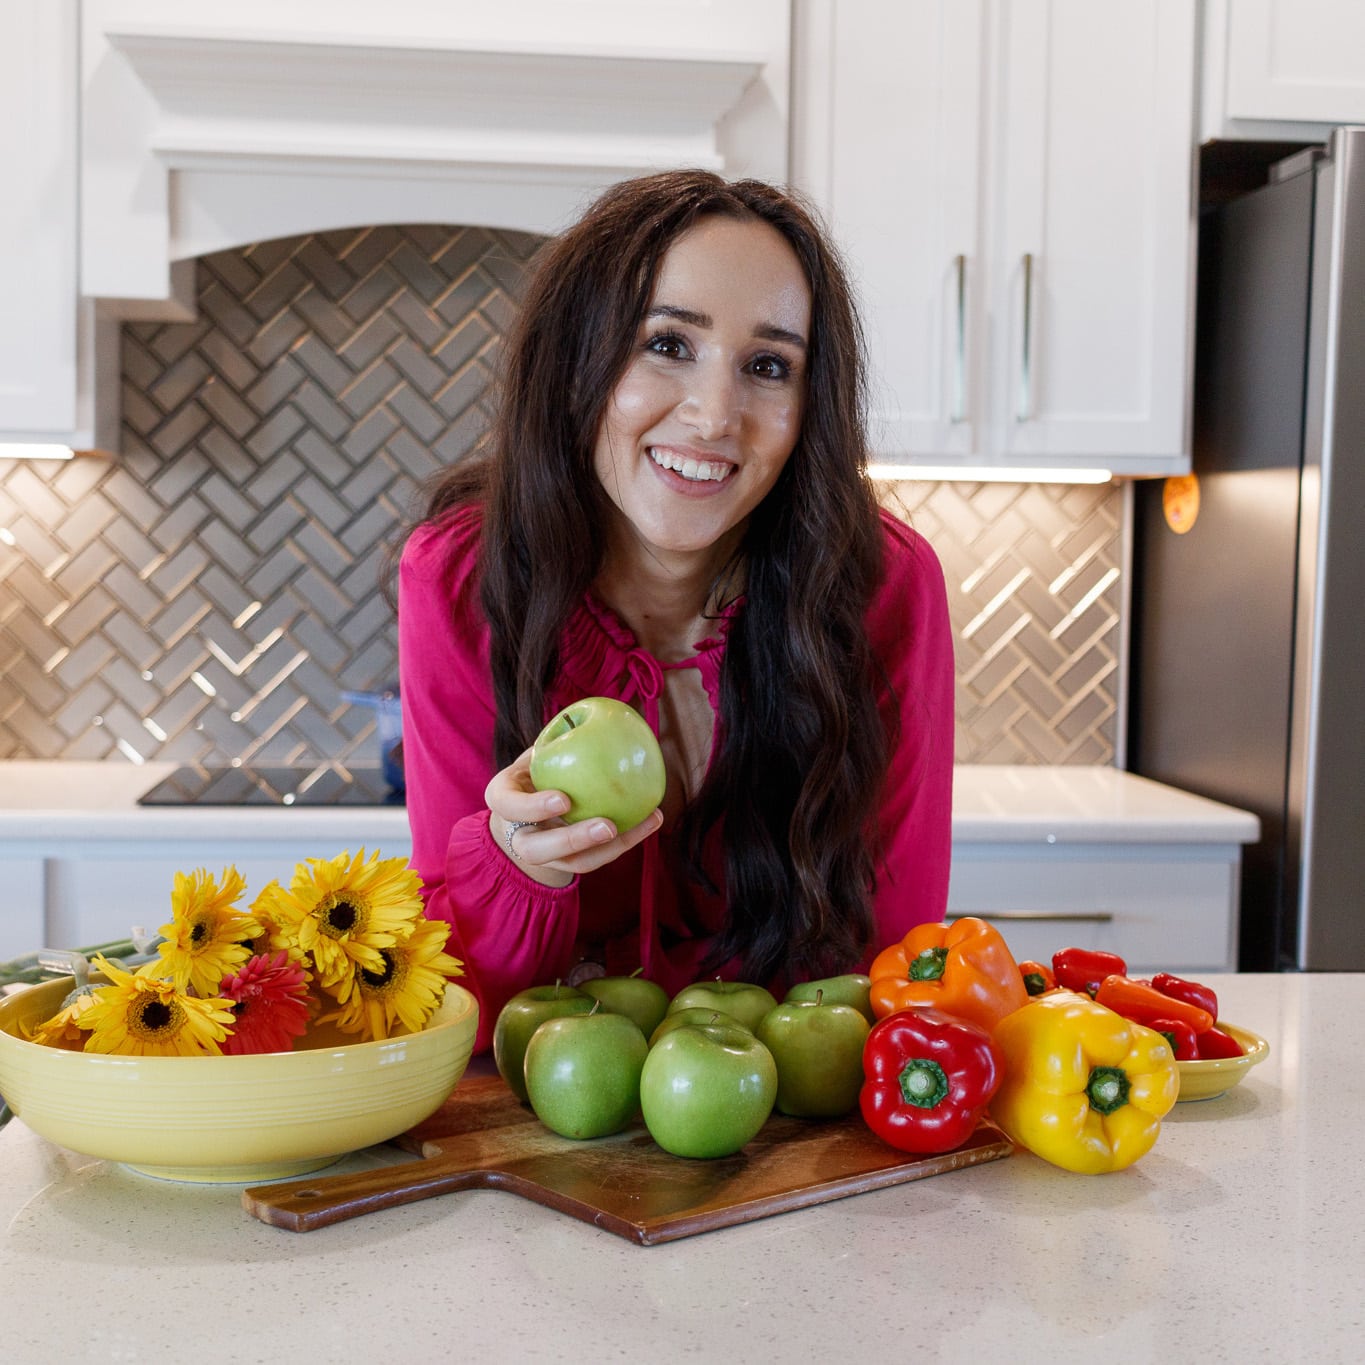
742, 270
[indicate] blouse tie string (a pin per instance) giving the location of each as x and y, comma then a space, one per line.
647, 675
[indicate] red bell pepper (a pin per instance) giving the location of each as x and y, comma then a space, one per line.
1082, 969
1141, 1002
1182, 1038
1213, 1042
928, 1077
1038, 977
1191, 992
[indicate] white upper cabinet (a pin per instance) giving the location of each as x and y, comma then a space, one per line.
1283, 69
39, 333
1012, 181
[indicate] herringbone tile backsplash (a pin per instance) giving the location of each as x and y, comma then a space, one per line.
208, 594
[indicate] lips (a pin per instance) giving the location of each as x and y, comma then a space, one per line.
689, 467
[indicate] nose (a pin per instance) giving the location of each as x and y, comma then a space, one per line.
711, 405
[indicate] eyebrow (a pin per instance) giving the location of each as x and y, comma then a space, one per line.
689, 315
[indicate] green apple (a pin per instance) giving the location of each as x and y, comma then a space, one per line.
520, 1017
853, 988
747, 1002
707, 1089
646, 1002
583, 1073
603, 756
693, 1014
818, 1049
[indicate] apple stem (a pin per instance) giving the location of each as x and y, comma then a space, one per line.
819, 996
596, 1005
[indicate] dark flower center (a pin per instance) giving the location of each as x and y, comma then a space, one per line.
155, 1016
199, 933
376, 980
342, 917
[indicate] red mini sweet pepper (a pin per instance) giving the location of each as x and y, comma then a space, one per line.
928, 1077
1082, 969
1182, 1038
1213, 1042
1191, 992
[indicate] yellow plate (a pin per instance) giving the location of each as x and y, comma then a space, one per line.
1208, 1079
231, 1119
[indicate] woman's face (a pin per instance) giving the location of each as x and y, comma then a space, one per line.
709, 407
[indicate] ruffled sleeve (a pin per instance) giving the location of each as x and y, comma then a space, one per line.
911, 635
507, 928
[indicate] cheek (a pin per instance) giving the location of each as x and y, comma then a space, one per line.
782, 424
637, 398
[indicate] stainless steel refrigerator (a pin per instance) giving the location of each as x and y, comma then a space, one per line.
1248, 627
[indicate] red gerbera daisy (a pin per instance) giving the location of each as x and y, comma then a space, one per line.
270, 1004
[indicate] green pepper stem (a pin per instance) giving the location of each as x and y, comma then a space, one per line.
1107, 1089
923, 1082
928, 965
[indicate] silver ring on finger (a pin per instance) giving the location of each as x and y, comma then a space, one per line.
512, 827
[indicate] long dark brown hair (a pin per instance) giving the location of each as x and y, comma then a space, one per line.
802, 748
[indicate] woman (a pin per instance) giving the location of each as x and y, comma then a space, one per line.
673, 509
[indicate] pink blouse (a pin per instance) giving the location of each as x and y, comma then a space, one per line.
509, 930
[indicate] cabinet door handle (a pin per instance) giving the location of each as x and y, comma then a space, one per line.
1024, 413
958, 412
1036, 916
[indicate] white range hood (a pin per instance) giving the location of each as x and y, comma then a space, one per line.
297, 116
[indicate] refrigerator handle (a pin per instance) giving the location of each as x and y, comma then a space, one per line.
958, 412
1024, 412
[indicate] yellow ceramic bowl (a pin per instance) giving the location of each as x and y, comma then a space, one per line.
1208, 1079
230, 1119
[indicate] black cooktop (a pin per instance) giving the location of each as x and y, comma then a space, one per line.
327, 784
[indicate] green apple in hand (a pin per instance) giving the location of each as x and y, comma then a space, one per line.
520, 1017
583, 1073
707, 1089
692, 1014
603, 756
853, 988
646, 1002
818, 1049
745, 1001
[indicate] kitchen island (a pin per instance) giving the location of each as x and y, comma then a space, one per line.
1235, 1239
1082, 855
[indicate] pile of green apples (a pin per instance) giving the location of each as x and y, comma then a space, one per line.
704, 1069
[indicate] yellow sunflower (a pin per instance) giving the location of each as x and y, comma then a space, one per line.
147, 1016
406, 989
64, 1029
343, 911
278, 933
208, 936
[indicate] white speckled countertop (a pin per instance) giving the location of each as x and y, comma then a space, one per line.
991, 803
1235, 1240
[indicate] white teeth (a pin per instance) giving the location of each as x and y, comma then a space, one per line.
695, 470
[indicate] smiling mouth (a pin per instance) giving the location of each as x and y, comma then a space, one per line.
695, 471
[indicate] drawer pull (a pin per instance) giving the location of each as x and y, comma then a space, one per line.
1040, 916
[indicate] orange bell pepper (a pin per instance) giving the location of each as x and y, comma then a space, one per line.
963, 968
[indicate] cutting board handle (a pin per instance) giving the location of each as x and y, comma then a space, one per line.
302, 1205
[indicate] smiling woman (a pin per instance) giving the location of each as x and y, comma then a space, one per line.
673, 509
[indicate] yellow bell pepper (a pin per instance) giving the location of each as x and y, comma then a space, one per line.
1084, 1088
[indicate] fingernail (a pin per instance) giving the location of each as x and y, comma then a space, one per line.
600, 831
557, 805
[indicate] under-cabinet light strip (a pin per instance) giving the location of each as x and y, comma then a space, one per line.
926, 473
16, 451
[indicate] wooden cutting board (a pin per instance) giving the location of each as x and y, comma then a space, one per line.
484, 1138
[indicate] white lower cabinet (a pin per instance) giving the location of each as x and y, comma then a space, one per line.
21, 919
1161, 908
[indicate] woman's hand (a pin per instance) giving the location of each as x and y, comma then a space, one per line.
526, 825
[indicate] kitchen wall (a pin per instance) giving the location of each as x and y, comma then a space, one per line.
210, 592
